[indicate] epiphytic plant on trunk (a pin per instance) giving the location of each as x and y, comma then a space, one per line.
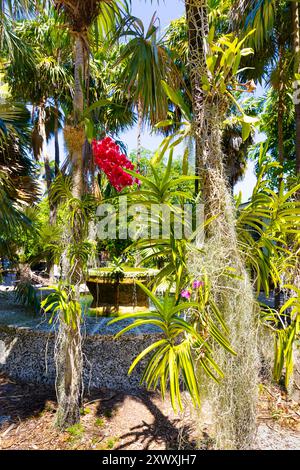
234, 399
80, 17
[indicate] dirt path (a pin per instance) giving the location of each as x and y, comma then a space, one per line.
113, 420
109, 420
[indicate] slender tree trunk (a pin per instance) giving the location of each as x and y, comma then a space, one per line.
78, 104
32, 114
69, 348
56, 140
277, 297
294, 387
197, 153
53, 205
280, 118
234, 399
139, 135
139, 155
44, 156
68, 376
296, 43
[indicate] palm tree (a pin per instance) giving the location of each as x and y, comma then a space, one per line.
268, 125
296, 46
235, 151
106, 82
17, 8
48, 83
11, 11
79, 18
18, 187
234, 296
147, 62
47, 78
53, 66
233, 146
272, 43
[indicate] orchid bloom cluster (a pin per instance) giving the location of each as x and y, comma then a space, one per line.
110, 159
187, 294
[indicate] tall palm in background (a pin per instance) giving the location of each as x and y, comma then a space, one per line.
48, 82
275, 50
18, 187
11, 45
235, 149
17, 183
53, 67
106, 86
147, 63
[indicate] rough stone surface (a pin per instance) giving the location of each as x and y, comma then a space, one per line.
26, 354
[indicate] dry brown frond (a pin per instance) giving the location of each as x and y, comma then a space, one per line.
80, 14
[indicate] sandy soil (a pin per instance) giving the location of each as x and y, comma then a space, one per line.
113, 420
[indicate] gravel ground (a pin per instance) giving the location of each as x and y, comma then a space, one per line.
277, 438
113, 420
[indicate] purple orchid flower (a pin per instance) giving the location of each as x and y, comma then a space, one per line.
185, 294
198, 284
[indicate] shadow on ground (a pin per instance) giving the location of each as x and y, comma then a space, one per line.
130, 422
22, 401
146, 422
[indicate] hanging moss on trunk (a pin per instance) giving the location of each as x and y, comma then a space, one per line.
234, 399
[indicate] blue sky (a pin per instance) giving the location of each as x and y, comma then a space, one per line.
168, 10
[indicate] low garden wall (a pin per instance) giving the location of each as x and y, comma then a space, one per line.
27, 354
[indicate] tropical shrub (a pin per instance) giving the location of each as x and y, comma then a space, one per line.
187, 329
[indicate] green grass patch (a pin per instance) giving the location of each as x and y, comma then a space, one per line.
76, 431
100, 422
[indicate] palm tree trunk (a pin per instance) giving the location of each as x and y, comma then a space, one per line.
139, 156
280, 136
68, 375
294, 388
45, 157
53, 205
139, 135
43, 146
197, 153
56, 140
280, 117
69, 361
296, 42
234, 400
79, 75
78, 103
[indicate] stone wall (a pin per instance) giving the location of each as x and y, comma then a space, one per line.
27, 355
